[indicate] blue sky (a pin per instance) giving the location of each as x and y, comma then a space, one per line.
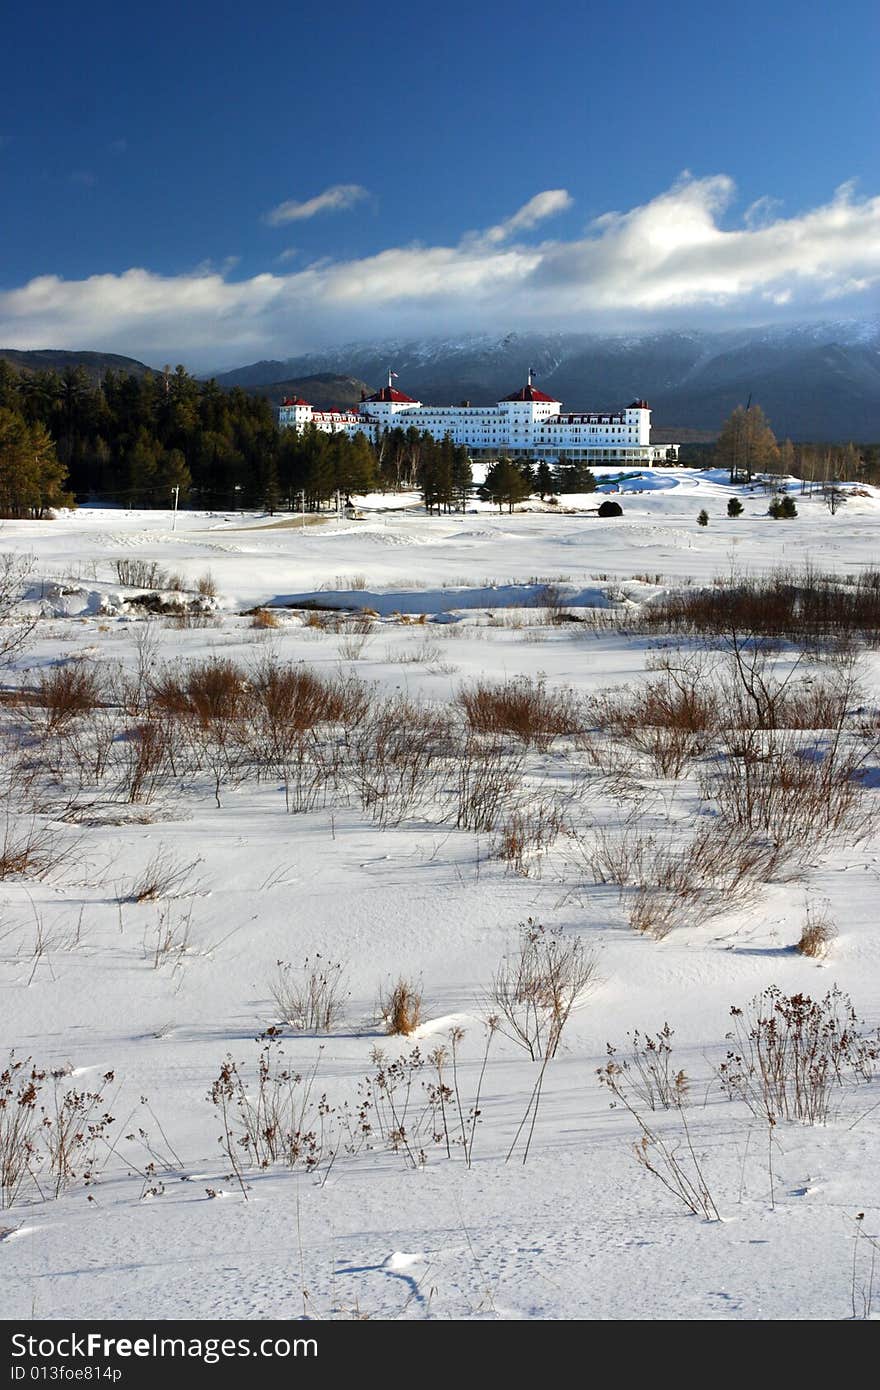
217, 182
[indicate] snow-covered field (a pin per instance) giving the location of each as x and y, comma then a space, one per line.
566, 1225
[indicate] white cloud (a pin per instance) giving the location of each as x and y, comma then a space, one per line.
547, 204
339, 198
666, 262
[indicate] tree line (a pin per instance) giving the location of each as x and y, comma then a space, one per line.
747, 446
145, 440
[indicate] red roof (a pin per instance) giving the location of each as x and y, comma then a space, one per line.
531, 393
294, 400
390, 393
639, 405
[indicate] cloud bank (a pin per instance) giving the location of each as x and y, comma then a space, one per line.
666, 262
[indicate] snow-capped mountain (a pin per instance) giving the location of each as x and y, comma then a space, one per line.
814, 381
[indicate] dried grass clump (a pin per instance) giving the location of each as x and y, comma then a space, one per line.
163, 877
524, 708
400, 1008
817, 934
30, 850
206, 585
265, 618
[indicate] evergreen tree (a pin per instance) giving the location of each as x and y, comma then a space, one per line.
270, 487
734, 507
505, 485
462, 476
31, 476
573, 476
543, 480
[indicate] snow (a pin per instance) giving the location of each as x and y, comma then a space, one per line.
580, 1230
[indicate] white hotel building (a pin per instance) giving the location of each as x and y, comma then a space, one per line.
527, 424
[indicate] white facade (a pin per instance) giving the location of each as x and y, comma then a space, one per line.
526, 424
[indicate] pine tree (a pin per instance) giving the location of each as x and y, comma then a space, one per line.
462, 475
505, 485
543, 480
734, 507
703, 518
31, 476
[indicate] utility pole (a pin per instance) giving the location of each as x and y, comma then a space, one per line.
176, 491
302, 503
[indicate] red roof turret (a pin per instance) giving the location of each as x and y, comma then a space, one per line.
295, 400
390, 393
531, 393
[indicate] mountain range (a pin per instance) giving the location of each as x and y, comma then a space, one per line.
816, 381
813, 381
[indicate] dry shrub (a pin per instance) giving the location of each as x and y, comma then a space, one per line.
527, 833
15, 631
182, 619
356, 634
394, 758
675, 1162
788, 1054
487, 779
207, 704
666, 881
298, 723
168, 943
551, 598
760, 694
206, 586
535, 990
265, 618
524, 708
148, 759
802, 606
671, 719
66, 692
817, 934
141, 574
311, 999
400, 1007
291, 696
796, 792
209, 691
